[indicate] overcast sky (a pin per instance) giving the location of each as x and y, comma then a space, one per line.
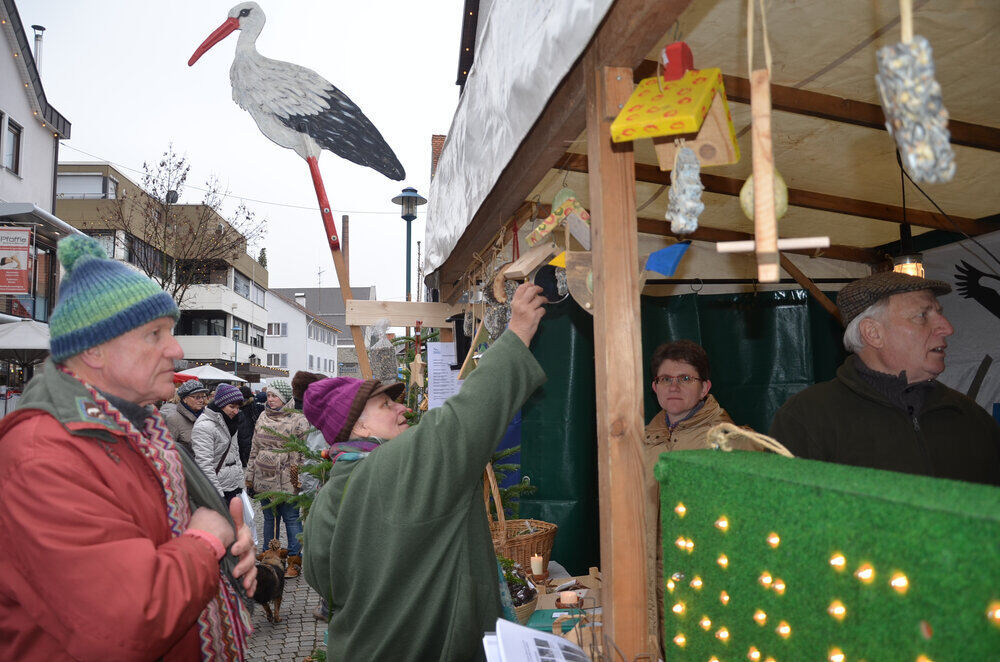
117, 69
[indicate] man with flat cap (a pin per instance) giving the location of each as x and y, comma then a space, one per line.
885, 409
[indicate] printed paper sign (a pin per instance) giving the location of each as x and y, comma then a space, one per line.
14, 268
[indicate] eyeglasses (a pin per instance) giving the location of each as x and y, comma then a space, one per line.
683, 380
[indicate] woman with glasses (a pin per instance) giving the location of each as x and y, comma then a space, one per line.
180, 418
687, 411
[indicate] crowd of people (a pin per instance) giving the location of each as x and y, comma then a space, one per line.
101, 488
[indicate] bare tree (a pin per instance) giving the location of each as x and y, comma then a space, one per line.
180, 245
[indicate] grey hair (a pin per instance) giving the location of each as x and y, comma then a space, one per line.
852, 334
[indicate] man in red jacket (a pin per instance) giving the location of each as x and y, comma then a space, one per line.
115, 545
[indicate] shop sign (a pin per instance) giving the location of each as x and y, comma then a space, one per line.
15, 269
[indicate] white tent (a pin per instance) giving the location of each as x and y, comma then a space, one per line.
24, 342
208, 373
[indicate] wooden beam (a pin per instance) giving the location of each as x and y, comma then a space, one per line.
661, 227
839, 109
809, 199
617, 352
810, 287
400, 313
628, 32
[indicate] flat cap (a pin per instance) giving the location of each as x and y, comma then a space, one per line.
860, 294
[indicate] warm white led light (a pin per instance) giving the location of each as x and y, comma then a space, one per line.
670, 585
838, 561
993, 613
680, 640
722, 634
865, 573
723, 560
689, 545
681, 542
753, 654
724, 598
784, 630
836, 655
779, 586
678, 608
899, 582
766, 580
705, 623
837, 610
696, 583
680, 510
722, 524
773, 540
760, 617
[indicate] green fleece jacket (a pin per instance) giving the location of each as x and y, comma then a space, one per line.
847, 421
398, 542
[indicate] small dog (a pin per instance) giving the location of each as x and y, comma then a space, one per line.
271, 579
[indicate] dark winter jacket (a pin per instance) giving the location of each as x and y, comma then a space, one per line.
246, 420
847, 421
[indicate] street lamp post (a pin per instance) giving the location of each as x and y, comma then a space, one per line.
236, 346
408, 201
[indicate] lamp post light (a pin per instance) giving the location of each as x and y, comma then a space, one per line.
236, 346
408, 201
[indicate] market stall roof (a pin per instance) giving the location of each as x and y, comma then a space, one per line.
211, 373
24, 342
522, 112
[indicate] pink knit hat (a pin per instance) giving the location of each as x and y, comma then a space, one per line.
334, 405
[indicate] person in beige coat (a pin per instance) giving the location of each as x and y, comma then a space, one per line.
681, 381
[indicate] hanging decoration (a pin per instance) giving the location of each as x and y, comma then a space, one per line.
685, 203
915, 115
565, 208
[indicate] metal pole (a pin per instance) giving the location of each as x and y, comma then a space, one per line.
408, 223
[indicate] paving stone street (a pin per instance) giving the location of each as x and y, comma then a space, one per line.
299, 633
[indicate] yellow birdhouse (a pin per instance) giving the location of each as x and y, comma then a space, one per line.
683, 103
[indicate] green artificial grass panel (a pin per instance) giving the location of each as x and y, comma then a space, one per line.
944, 536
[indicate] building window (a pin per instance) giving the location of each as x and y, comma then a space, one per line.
258, 295
241, 284
12, 147
241, 329
201, 323
310, 361
277, 360
106, 239
284, 361
256, 336
150, 260
112, 188
277, 329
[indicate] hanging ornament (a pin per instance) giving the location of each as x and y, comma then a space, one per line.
685, 203
911, 100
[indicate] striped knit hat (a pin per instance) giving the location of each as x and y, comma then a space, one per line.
227, 394
280, 388
100, 299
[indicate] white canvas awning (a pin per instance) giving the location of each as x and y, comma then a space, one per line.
209, 373
24, 342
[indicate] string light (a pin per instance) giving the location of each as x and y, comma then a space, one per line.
680, 510
784, 630
678, 608
779, 586
838, 561
993, 612
766, 579
722, 524
773, 540
696, 583
670, 585
836, 655
724, 598
722, 634
837, 610
680, 640
924, 658
713, 659
865, 573
689, 545
705, 623
753, 654
760, 617
723, 560
681, 543
769, 659
899, 582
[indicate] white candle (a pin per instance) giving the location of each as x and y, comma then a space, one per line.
568, 598
537, 565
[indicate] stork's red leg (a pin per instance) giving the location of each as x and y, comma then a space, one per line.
324, 204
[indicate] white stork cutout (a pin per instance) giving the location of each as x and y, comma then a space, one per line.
299, 109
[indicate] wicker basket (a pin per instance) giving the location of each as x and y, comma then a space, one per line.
509, 538
525, 611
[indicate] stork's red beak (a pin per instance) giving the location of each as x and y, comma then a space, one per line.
220, 33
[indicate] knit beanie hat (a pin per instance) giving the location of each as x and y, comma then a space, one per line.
191, 387
334, 405
100, 299
227, 394
280, 388
301, 381
856, 296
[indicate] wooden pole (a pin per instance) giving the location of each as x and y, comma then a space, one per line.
764, 222
617, 349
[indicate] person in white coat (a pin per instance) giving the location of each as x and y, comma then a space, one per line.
213, 439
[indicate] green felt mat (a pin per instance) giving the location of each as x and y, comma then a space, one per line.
939, 540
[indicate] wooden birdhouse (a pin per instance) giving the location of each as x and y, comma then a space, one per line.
681, 103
